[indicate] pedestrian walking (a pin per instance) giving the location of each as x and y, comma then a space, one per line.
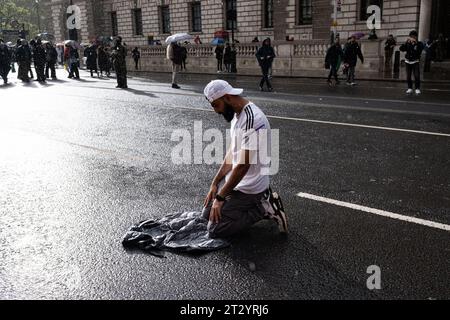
265, 56
245, 197
91, 59
118, 54
39, 58
174, 54
5, 61
73, 59
51, 59
333, 58
389, 46
413, 49
136, 57
352, 52
219, 58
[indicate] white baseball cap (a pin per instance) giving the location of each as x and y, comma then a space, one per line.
216, 89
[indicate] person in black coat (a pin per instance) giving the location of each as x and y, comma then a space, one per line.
352, 52
5, 61
413, 49
39, 58
136, 56
334, 55
51, 59
219, 57
265, 56
23, 57
91, 62
227, 57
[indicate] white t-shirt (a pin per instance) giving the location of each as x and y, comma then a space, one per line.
251, 131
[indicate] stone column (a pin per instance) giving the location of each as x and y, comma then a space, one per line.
425, 19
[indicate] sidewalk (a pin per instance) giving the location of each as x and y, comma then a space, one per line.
440, 74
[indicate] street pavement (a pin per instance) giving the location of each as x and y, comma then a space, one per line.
81, 162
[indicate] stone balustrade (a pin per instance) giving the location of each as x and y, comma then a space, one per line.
299, 58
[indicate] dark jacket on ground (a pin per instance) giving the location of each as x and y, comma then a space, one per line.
333, 54
352, 52
413, 51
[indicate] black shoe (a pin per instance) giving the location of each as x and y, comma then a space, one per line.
275, 210
175, 86
270, 89
261, 89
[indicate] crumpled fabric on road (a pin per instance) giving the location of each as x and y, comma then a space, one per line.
181, 232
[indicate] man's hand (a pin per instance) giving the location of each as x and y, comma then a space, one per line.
216, 211
211, 195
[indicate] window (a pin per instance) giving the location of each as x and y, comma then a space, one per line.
363, 15
268, 13
196, 17
114, 24
231, 15
137, 22
304, 11
165, 19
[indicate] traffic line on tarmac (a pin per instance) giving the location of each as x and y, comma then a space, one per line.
378, 212
362, 126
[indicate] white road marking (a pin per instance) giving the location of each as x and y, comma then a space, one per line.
362, 126
378, 212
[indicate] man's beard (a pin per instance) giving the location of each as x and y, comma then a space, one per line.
228, 114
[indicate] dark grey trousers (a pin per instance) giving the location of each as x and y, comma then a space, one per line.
239, 212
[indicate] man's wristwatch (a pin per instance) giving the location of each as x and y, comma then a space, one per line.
220, 198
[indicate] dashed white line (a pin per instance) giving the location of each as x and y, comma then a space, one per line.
378, 212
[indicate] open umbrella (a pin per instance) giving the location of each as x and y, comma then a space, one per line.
46, 36
74, 44
358, 35
217, 41
178, 37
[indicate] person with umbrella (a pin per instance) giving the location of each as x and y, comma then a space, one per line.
72, 58
118, 54
175, 54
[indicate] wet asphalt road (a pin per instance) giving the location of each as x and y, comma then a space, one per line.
81, 161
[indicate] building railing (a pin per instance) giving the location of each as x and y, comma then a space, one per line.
298, 49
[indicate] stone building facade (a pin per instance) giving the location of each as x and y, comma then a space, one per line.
308, 24
137, 21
